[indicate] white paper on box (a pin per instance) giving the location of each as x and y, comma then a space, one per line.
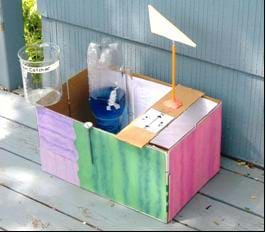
177, 129
160, 123
143, 94
153, 121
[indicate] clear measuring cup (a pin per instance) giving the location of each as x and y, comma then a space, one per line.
40, 73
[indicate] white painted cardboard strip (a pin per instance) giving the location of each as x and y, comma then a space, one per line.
153, 121
176, 130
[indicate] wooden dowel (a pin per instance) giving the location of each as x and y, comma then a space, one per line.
173, 71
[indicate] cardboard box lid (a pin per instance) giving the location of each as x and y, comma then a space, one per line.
182, 125
139, 134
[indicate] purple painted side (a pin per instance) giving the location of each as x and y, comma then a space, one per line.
194, 160
56, 133
59, 166
55, 122
57, 143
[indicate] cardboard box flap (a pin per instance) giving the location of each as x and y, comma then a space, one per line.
144, 128
182, 125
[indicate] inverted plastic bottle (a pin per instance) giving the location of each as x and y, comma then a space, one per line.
107, 97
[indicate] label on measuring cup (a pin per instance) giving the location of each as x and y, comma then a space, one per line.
24, 80
40, 70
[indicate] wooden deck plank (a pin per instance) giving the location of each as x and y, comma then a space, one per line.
26, 177
237, 190
23, 214
19, 139
209, 215
15, 107
254, 173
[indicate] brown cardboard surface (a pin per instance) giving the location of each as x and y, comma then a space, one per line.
139, 136
135, 136
62, 106
185, 94
78, 94
77, 105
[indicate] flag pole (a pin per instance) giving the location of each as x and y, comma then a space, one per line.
173, 102
173, 71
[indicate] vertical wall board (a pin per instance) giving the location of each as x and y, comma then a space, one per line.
241, 93
194, 160
1, 16
4, 78
124, 173
228, 33
11, 40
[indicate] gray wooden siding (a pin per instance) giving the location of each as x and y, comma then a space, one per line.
227, 63
1, 13
11, 40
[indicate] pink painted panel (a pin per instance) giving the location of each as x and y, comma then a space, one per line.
59, 166
194, 161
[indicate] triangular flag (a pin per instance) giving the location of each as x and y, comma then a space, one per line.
163, 27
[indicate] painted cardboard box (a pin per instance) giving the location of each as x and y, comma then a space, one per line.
158, 179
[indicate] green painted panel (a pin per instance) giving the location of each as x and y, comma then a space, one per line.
121, 172
84, 161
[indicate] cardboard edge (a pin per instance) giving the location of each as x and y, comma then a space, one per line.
148, 78
212, 99
219, 103
199, 122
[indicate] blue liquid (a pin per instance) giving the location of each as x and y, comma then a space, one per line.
109, 120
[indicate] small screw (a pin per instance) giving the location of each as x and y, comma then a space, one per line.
88, 125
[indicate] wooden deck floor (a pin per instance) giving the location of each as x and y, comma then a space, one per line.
33, 200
